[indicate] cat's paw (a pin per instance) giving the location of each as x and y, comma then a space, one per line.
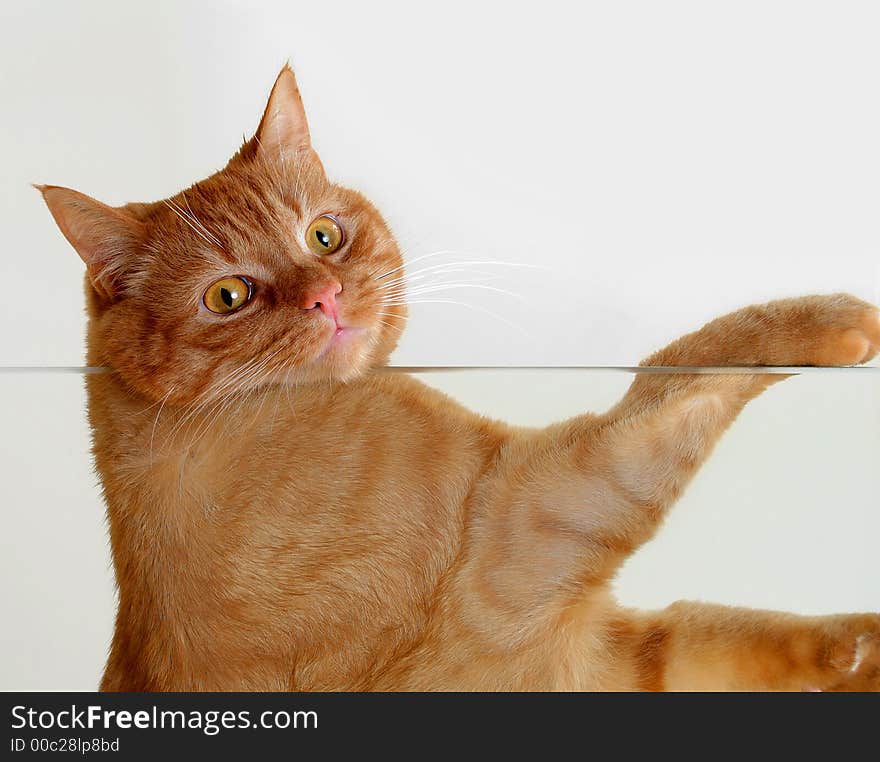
848, 330
852, 655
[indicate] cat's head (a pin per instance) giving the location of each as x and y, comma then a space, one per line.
265, 272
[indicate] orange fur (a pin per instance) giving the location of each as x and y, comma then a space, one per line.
281, 517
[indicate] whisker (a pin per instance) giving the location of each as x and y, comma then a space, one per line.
156, 421
413, 261
225, 400
206, 396
179, 212
453, 251
440, 267
195, 219
447, 286
469, 306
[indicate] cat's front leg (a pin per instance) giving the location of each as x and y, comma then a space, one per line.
652, 443
561, 509
668, 423
830, 330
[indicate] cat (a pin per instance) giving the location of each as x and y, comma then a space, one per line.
284, 517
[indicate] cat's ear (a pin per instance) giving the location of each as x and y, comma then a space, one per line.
283, 128
103, 237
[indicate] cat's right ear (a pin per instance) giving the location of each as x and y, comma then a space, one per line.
103, 237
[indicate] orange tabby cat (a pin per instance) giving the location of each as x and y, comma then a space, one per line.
282, 518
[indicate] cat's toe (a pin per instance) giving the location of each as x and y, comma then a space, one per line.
853, 334
864, 675
857, 657
872, 332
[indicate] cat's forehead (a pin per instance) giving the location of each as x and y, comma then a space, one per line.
256, 201
246, 219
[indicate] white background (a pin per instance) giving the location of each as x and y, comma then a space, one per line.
667, 161
661, 163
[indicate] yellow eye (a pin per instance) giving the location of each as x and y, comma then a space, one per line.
324, 235
227, 295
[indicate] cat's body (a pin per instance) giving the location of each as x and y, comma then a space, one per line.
368, 562
378, 514
274, 529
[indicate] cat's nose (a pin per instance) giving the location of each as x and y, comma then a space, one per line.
323, 298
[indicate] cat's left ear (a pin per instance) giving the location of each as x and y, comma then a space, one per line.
283, 128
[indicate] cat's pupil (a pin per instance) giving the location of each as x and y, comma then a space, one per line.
227, 296
322, 237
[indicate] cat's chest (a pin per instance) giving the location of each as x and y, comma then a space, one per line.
267, 517
279, 531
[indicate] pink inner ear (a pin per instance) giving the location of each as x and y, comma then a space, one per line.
100, 234
284, 126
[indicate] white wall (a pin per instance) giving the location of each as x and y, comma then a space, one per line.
667, 161
664, 161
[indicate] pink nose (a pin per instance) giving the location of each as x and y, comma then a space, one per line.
323, 298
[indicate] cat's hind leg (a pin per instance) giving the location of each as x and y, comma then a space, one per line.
699, 646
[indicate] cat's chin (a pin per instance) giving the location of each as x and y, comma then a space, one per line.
348, 353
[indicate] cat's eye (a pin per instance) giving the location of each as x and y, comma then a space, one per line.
324, 235
228, 295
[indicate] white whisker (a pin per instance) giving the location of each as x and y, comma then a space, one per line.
156, 421
195, 219
180, 213
430, 289
469, 306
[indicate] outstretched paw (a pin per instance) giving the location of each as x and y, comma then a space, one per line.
864, 673
852, 655
849, 330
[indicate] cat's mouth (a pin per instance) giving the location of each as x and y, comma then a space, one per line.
344, 334
340, 338
346, 338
